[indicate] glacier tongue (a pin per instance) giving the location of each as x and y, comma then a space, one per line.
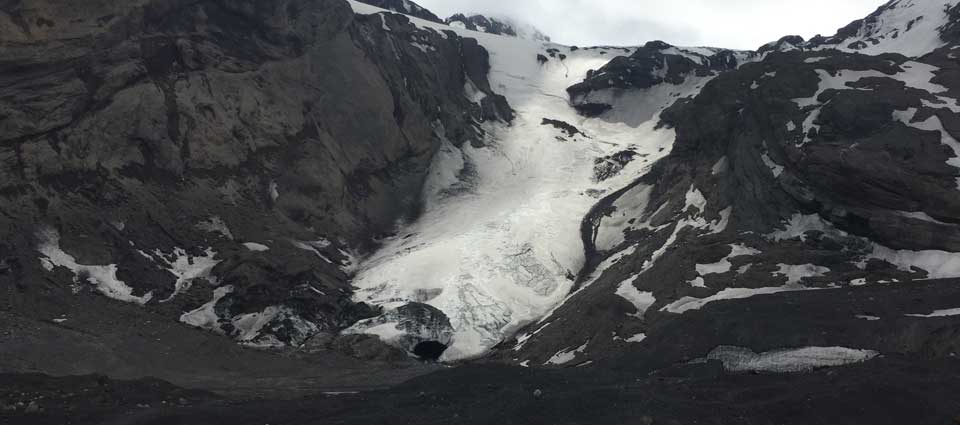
501, 250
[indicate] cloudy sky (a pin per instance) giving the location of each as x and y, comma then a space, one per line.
737, 24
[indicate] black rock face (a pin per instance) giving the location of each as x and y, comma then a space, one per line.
567, 128
242, 147
653, 64
405, 7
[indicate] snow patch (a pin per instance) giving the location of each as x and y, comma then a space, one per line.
724, 265
256, 247
775, 168
937, 264
799, 225
739, 359
314, 247
641, 300
686, 304
564, 357
796, 273
104, 278
186, 267
205, 316
938, 313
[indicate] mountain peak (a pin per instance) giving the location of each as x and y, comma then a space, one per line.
499, 25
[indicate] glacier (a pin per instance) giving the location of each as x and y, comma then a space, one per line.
498, 244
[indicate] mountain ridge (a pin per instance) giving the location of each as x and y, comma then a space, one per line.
342, 189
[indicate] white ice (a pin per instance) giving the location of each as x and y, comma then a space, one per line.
256, 247
738, 359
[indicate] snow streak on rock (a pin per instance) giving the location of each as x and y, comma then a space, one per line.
103, 278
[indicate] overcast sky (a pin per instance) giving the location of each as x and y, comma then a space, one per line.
736, 24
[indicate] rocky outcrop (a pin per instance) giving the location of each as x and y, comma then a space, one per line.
405, 7
220, 161
656, 63
496, 26
409, 327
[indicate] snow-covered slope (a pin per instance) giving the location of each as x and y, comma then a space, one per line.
909, 27
499, 244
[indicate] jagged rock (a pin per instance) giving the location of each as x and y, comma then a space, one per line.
610, 166
155, 136
563, 126
405, 7
408, 326
653, 64
785, 44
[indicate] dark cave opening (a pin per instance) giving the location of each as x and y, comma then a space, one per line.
429, 350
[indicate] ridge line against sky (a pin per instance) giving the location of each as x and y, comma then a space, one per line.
735, 24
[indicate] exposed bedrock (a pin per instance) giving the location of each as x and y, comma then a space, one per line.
225, 159
808, 169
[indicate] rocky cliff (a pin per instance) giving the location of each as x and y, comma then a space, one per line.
222, 162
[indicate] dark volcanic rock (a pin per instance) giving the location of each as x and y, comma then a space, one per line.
653, 64
405, 7
563, 126
246, 147
415, 324
609, 166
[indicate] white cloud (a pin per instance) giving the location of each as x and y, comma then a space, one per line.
739, 24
